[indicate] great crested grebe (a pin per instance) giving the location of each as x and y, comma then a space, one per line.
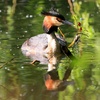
48, 47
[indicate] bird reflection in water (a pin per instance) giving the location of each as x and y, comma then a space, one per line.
53, 83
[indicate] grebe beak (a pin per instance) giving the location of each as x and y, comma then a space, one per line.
67, 22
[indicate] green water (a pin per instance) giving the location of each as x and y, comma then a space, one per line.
21, 19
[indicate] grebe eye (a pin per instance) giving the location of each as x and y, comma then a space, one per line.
58, 19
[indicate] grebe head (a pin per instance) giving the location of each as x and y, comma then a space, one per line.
53, 20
